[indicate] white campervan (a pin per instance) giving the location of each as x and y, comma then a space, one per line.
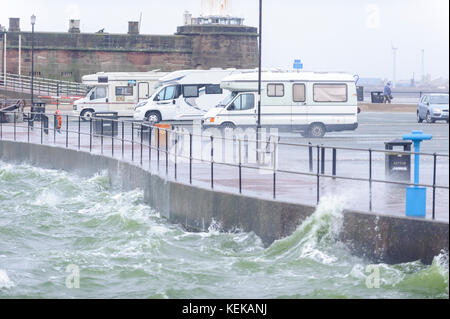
310, 102
184, 95
116, 92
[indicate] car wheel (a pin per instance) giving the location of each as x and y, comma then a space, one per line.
429, 119
87, 115
153, 117
419, 119
317, 130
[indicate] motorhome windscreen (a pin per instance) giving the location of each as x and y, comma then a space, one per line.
99, 93
243, 102
227, 100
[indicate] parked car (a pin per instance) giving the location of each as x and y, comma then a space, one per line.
432, 108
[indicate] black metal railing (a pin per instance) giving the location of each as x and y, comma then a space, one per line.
79, 134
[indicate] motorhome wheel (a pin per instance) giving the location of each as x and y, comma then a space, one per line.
87, 114
153, 117
317, 130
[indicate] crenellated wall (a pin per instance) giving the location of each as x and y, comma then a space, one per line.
69, 56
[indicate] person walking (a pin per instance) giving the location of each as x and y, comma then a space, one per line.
387, 93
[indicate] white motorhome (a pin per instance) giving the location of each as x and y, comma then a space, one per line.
116, 92
310, 102
184, 95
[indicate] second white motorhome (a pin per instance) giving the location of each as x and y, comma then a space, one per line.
184, 95
116, 92
310, 102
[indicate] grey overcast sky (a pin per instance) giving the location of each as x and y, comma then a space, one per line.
355, 36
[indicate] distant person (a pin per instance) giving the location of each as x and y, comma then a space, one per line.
387, 93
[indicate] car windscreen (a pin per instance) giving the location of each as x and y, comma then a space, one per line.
439, 99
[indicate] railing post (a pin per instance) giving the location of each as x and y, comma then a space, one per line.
434, 185
167, 151
370, 179
90, 134
322, 166
310, 157
142, 142
101, 137
150, 128
212, 162
79, 132
42, 131
123, 139
240, 167
67, 131
274, 169
334, 162
113, 124
157, 147
132, 141
1, 125
28, 129
318, 174
176, 152
190, 158
54, 129
14, 117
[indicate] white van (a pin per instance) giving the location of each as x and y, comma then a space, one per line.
309, 102
184, 95
116, 92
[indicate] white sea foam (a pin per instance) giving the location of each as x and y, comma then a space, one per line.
5, 282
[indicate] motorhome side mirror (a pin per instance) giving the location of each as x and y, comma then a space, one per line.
91, 97
156, 98
231, 107
174, 102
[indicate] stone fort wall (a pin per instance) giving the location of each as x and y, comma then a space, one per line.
69, 56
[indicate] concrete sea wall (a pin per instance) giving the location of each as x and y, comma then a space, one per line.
379, 238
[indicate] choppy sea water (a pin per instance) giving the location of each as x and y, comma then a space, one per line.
52, 222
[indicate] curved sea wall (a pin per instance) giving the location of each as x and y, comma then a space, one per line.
380, 238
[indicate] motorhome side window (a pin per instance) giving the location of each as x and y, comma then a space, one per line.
124, 91
213, 89
190, 91
330, 92
243, 102
99, 93
299, 93
275, 90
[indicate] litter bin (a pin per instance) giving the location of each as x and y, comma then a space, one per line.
164, 130
360, 93
39, 108
106, 123
377, 97
398, 166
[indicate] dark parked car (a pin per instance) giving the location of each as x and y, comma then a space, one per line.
432, 108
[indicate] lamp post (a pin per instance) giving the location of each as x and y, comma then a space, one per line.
33, 21
258, 125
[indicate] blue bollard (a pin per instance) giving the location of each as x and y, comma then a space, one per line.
416, 197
